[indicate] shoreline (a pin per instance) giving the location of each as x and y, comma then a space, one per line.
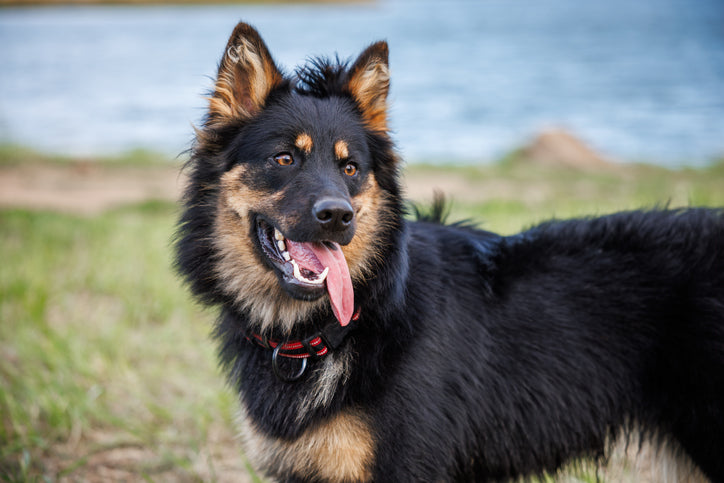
72, 3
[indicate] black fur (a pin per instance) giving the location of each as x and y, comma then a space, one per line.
479, 356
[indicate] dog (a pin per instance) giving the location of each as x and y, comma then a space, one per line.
365, 346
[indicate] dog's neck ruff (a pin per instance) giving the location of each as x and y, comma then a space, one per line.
318, 345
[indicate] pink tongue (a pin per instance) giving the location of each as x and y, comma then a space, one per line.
339, 282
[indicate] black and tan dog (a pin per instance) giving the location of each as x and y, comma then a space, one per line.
365, 347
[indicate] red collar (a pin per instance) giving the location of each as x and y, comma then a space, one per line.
318, 345
302, 349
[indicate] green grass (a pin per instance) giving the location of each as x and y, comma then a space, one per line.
521, 195
100, 346
103, 356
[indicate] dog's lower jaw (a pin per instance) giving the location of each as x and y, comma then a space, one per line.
253, 287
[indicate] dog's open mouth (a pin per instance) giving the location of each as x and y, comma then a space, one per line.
307, 269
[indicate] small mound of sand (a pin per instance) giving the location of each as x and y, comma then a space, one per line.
559, 148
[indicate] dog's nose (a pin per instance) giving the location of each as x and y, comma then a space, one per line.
334, 214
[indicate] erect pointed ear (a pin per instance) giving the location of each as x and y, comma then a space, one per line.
247, 74
369, 83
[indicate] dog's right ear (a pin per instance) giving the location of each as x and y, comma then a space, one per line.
247, 74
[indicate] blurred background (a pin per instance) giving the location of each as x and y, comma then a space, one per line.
639, 81
518, 110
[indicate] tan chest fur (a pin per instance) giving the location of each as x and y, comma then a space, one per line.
340, 449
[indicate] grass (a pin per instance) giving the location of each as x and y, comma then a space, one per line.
102, 349
506, 197
106, 367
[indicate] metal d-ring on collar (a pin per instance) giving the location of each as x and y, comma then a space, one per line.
278, 372
329, 338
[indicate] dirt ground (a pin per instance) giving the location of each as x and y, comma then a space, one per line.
90, 188
85, 187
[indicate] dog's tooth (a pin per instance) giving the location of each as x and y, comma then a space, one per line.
278, 235
286, 256
322, 276
297, 273
280, 244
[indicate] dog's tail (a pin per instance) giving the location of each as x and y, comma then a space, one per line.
438, 211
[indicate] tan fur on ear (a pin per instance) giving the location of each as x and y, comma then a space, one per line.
247, 74
369, 83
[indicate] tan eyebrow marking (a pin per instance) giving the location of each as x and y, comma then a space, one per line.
341, 150
304, 143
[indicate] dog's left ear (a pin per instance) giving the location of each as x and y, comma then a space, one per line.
369, 83
247, 74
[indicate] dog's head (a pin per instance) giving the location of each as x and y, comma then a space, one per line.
293, 185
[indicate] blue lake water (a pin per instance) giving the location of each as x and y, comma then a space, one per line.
639, 80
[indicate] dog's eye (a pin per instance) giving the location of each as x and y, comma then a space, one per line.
350, 169
284, 159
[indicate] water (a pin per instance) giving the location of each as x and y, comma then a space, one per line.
639, 80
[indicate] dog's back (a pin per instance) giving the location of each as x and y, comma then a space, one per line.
537, 348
